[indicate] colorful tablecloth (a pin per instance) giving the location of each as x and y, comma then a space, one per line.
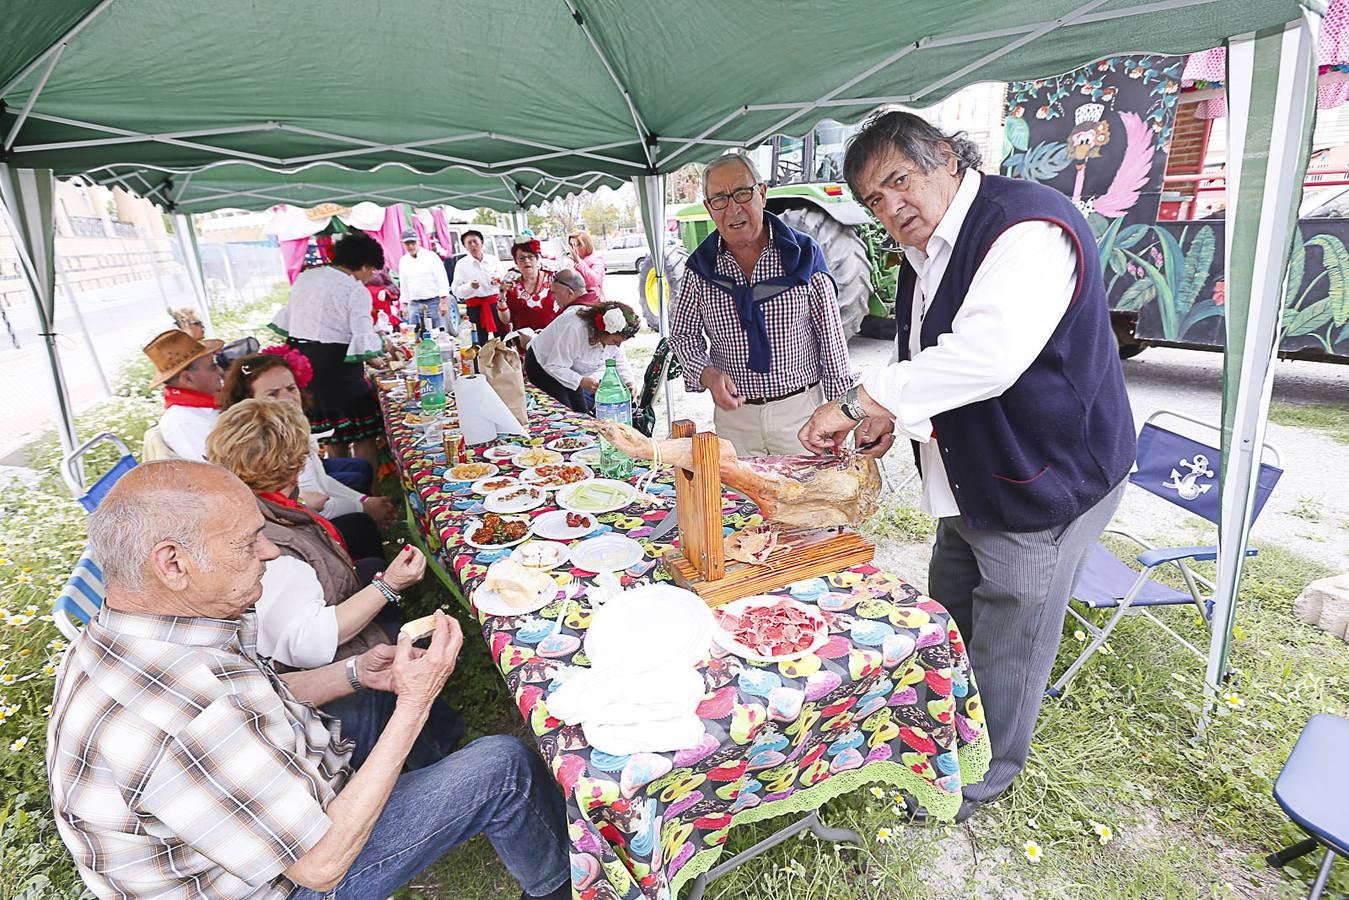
889, 698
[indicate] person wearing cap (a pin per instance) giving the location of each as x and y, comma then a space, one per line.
422, 284
756, 318
187, 369
477, 281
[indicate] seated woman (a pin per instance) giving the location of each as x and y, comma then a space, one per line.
567, 359
313, 609
276, 375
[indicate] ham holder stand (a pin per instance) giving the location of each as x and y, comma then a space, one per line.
700, 564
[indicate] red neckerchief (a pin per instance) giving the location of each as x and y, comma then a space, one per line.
176, 396
281, 499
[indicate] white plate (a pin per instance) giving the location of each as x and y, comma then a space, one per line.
475, 524
588, 457
648, 626
606, 553
500, 502
620, 494
501, 453
545, 457
551, 550
555, 443
722, 637
490, 602
449, 476
553, 525
479, 486
532, 476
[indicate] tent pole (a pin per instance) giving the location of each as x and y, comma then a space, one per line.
57, 46
1271, 94
27, 203
63, 285
651, 204
187, 239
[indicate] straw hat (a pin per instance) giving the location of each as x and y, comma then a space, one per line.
173, 351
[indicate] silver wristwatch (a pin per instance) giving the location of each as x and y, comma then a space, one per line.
851, 405
353, 676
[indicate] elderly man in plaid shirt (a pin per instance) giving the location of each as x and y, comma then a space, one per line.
181, 765
756, 321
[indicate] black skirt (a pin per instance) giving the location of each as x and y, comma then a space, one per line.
341, 399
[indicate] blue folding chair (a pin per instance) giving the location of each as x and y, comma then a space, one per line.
81, 597
72, 470
1182, 471
1314, 790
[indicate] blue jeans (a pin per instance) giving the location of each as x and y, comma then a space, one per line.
364, 714
352, 471
418, 310
495, 786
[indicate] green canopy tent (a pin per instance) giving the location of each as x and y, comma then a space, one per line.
161, 89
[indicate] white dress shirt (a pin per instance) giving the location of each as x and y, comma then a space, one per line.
314, 479
295, 626
565, 352
1015, 301
184, 430
422, 277
468, 270
331, 307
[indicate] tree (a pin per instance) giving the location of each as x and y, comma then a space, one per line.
600, 217
685, 185
484, 216
566, 212
537, 220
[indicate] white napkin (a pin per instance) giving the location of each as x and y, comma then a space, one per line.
482, 414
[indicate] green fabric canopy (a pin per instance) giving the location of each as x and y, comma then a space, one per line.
568, 87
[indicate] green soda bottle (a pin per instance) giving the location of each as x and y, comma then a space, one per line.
613, 402
431, 374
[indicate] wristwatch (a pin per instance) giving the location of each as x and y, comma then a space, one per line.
851, 405
353, 676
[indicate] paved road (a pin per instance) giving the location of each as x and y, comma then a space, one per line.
1309, 511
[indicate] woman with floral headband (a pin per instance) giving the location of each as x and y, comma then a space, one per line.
567, 359
526, 287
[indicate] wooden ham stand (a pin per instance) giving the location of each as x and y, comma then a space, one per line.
700, 564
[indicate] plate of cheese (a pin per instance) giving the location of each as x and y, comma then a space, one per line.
511, 589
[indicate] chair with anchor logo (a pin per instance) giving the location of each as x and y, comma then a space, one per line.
1183, 471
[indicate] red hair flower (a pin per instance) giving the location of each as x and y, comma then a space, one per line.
296, 361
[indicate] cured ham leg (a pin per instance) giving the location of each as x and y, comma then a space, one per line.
799, 491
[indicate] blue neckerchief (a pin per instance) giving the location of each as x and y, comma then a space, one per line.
801, 259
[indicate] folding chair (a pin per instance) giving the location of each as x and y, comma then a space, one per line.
72, 470
1182, 471
81, 597
1313, 790
663, 366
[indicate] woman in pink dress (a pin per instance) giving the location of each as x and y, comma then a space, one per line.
588, 263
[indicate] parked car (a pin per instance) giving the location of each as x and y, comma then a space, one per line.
625, 253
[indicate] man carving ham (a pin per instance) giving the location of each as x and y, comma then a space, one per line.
1009, 384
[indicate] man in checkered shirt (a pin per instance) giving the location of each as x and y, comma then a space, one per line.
756, 320
181, 765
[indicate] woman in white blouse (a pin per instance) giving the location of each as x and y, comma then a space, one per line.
567, 359
328, 320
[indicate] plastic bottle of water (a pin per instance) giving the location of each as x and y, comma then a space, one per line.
430, 374
449, 356
613, 402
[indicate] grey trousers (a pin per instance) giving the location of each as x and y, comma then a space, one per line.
1008, 592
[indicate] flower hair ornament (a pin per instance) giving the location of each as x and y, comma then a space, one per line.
299, 364
611, 322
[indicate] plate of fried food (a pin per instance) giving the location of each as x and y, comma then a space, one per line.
571, 442
492, 483
556, 475
494, 531
471, 471
520, 498
536, 456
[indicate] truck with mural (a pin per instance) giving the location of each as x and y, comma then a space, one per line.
1103, 135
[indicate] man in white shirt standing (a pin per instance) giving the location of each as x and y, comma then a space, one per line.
187, 369
422, 284
477, 281
1010, 386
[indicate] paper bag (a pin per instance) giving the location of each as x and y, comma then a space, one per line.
504, 371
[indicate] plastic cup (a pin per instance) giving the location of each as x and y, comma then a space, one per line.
454, 444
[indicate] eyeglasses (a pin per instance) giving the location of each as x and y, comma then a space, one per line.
739, 195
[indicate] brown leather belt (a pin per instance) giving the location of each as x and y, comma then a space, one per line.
760, 401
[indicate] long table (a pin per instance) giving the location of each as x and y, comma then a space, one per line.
888, 698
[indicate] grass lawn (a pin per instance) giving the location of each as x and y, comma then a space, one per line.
1333, 420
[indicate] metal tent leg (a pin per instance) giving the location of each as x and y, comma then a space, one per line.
1324, 875
811, 822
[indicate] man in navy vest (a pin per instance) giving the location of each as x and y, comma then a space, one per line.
1010, 387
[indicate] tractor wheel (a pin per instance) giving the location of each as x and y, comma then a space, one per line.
675, 258
846, 253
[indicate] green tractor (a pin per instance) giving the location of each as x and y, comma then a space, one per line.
804, 192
